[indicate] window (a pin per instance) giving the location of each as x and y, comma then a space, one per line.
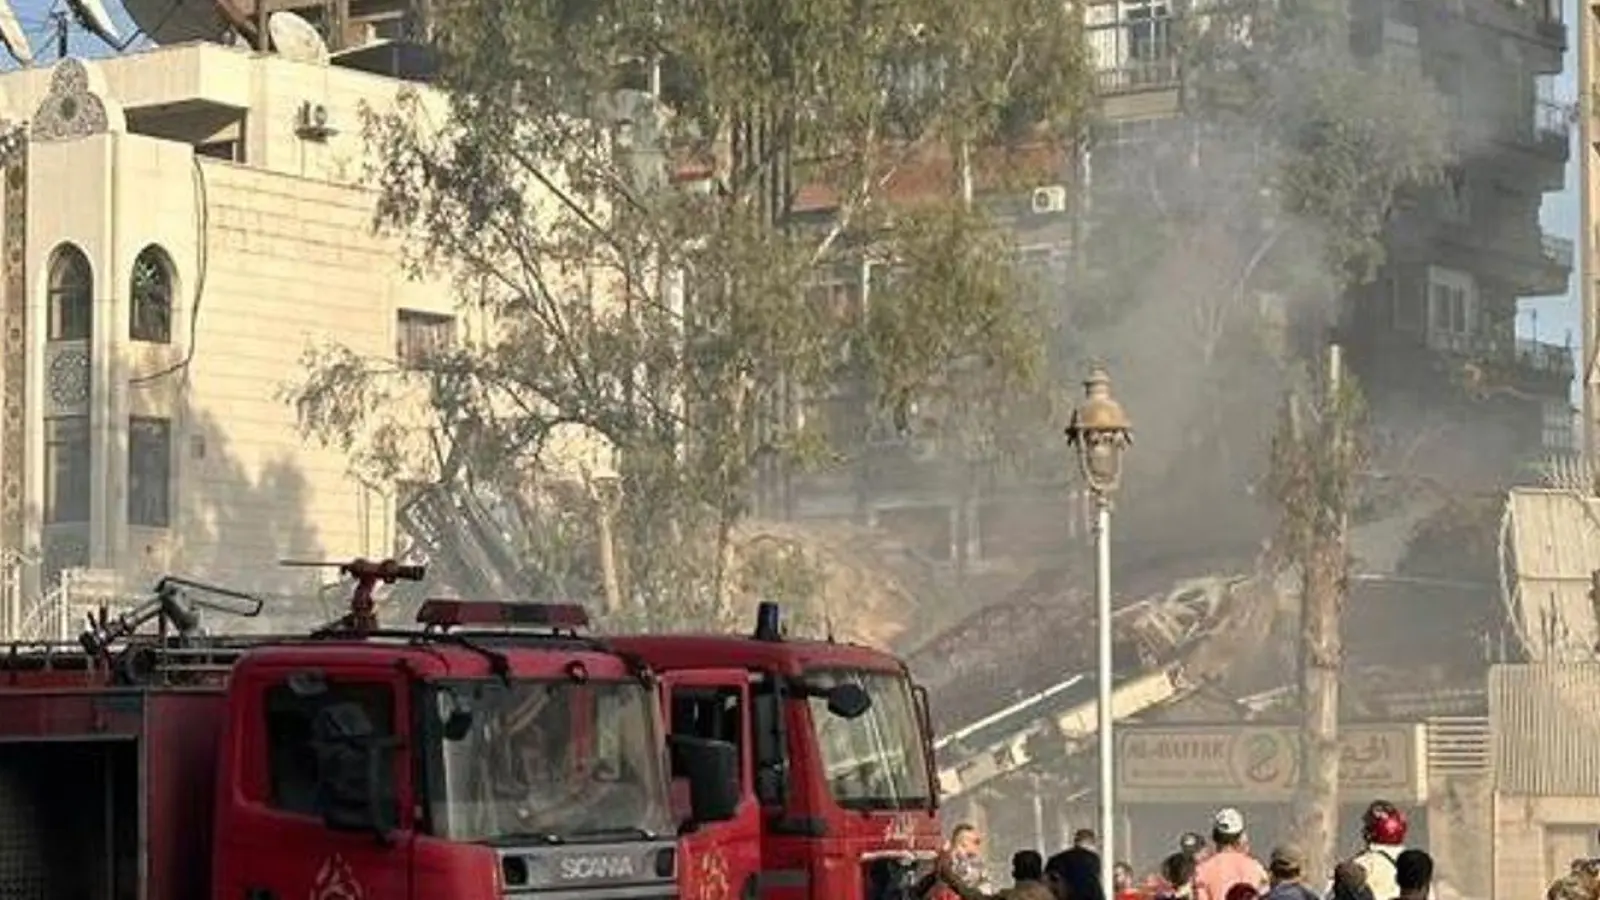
66, 469
874, 761
71, 295
712, 713
232, 151
1407, 302
149, 472
150, 319
291, 757
1452, 313
1149, 31
423, 335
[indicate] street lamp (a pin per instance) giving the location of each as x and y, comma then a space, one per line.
1100, 432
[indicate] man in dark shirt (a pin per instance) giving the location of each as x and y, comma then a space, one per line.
1074, 874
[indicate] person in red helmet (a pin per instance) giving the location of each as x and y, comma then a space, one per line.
1383, 834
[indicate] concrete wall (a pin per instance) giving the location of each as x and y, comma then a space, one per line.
1536, 839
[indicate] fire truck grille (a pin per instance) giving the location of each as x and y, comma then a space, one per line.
23, 874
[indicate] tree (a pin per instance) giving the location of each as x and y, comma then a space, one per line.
1317, 457
673, 324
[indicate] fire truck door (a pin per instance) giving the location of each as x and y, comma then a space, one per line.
721, 860
279, 844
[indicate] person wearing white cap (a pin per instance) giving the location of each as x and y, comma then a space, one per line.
1231, 864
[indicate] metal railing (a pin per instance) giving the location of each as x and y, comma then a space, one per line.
1134, 55
1552, 120
1525, 353
1558, 250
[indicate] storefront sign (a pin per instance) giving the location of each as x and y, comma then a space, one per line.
1250, 763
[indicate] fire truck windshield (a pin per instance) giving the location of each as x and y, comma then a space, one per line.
875, 760
550, 761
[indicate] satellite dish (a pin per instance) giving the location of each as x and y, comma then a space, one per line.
181, 21
93, 15
12, 35
295, 38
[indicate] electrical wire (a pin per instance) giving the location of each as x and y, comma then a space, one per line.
202, 261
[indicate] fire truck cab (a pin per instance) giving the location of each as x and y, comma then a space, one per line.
493, 752
837, 797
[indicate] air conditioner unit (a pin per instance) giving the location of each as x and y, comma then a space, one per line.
312, 122
1049, 199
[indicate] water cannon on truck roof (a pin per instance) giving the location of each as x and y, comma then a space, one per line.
493, 751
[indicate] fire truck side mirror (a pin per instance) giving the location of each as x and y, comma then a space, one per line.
354, 771
849, 700
712, 768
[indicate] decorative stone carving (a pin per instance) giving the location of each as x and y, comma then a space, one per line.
13, 367
69, 380
77, 105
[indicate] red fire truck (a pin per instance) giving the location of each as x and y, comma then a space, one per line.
492, 752
837, 793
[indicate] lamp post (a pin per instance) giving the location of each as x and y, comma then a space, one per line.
1100, 432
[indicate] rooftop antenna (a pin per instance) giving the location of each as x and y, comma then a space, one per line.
63, 22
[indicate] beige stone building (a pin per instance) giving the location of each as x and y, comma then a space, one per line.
179, 226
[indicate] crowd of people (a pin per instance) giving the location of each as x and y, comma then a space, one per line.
1225, 868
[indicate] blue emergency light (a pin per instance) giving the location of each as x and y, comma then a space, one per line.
454, 613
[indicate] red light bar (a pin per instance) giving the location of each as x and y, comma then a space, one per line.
450, 613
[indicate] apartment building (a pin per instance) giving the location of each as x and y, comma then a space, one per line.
1433, 337
179, 226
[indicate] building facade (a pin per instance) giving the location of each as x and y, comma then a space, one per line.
1589, 225
180, 225
1434, 336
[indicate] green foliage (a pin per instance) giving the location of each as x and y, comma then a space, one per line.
675, 324
1339, 135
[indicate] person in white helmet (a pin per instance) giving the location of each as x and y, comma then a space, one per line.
1231, 863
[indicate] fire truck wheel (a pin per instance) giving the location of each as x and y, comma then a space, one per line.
22, 864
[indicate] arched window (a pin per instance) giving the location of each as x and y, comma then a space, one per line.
150, 319
71, 299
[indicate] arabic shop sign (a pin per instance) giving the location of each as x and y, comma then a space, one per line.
1230, 763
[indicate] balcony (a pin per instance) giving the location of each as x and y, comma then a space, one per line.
1531, 264
1524, 355
1552, 128
1559, 254
1133, 57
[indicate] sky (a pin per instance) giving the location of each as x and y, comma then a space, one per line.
1553, 320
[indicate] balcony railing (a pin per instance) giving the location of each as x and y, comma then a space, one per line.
1524, 353
1133, 55
1552, 121
1558, 251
